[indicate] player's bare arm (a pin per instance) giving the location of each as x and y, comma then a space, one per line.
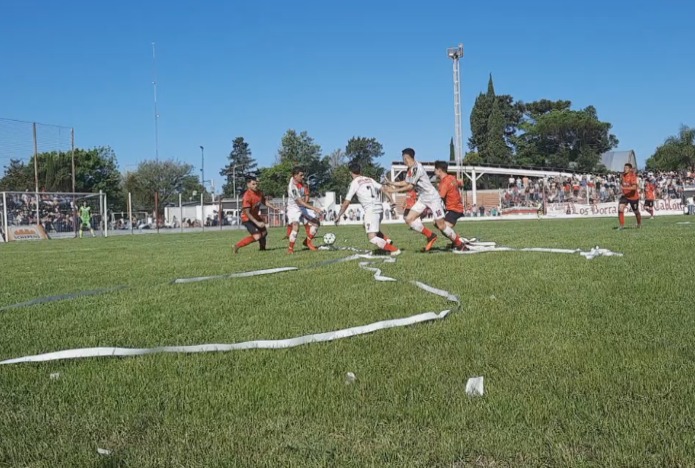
257, 222
306, 205
398, 188
343, 209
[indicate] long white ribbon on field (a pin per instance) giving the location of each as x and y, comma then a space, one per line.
257, 344
589, 255
262, 344
234, 275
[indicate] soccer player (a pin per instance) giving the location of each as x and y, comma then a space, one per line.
449, 192
305, 221
251, 218
428, 197
630, 188
449, 187
298, 207
368, 194
410, 200
85, 218
650, 196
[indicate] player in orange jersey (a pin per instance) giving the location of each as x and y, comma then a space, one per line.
650, 196
630, 196
251, 204
449, 187
449, 190
410, 200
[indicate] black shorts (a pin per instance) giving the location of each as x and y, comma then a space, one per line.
452, 216
84, 225
649, 203
634, 204
252, 228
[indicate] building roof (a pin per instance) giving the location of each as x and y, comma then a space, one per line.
616, 160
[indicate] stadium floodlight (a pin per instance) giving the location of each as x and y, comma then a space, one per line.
455, 53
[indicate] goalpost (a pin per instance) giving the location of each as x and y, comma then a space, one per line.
50, 215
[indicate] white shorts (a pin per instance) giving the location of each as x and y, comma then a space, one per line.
436, 207
299, 215
372, 221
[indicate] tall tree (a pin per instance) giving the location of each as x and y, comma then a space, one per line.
567, 139
496, 149
300, 149
273, 180
480, 121
365, 151
167, 178
240, 165
480, 115
95, 169
336, 158
452, 151
676, 154
18, 176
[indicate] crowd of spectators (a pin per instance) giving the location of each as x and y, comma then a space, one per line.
588, 188
57, 212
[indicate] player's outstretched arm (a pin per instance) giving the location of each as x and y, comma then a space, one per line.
343, 209
397, 188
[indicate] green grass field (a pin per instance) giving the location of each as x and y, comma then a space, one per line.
586, 362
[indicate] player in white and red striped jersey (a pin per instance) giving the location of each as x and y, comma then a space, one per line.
368, 192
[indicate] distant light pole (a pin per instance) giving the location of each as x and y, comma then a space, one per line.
455, 53
202, 166
234, 179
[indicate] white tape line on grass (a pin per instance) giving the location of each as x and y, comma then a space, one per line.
261, 344
439, 292
377, 272
591, 254
234, 275
258, 344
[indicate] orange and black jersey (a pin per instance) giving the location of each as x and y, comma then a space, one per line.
449, 191
650, 191
253, 202
628, 180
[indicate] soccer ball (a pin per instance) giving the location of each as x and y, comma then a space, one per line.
329, 238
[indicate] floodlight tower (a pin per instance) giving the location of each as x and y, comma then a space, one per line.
455, 53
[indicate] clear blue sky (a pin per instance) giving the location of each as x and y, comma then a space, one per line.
335, 69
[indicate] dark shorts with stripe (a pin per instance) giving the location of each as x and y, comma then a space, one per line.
252, 228
634, 204
649, 203
452, 216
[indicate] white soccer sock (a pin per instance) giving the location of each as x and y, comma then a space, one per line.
448, 232
378, 241
293, 237
417, 225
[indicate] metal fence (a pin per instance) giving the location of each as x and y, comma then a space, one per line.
46, 150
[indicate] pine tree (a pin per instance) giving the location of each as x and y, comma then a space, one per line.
452, 151
480, 115
241, 165
496, 149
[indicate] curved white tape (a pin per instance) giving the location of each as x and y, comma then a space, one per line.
593, 253
439, 292
259, 344
234, 275
377, 272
